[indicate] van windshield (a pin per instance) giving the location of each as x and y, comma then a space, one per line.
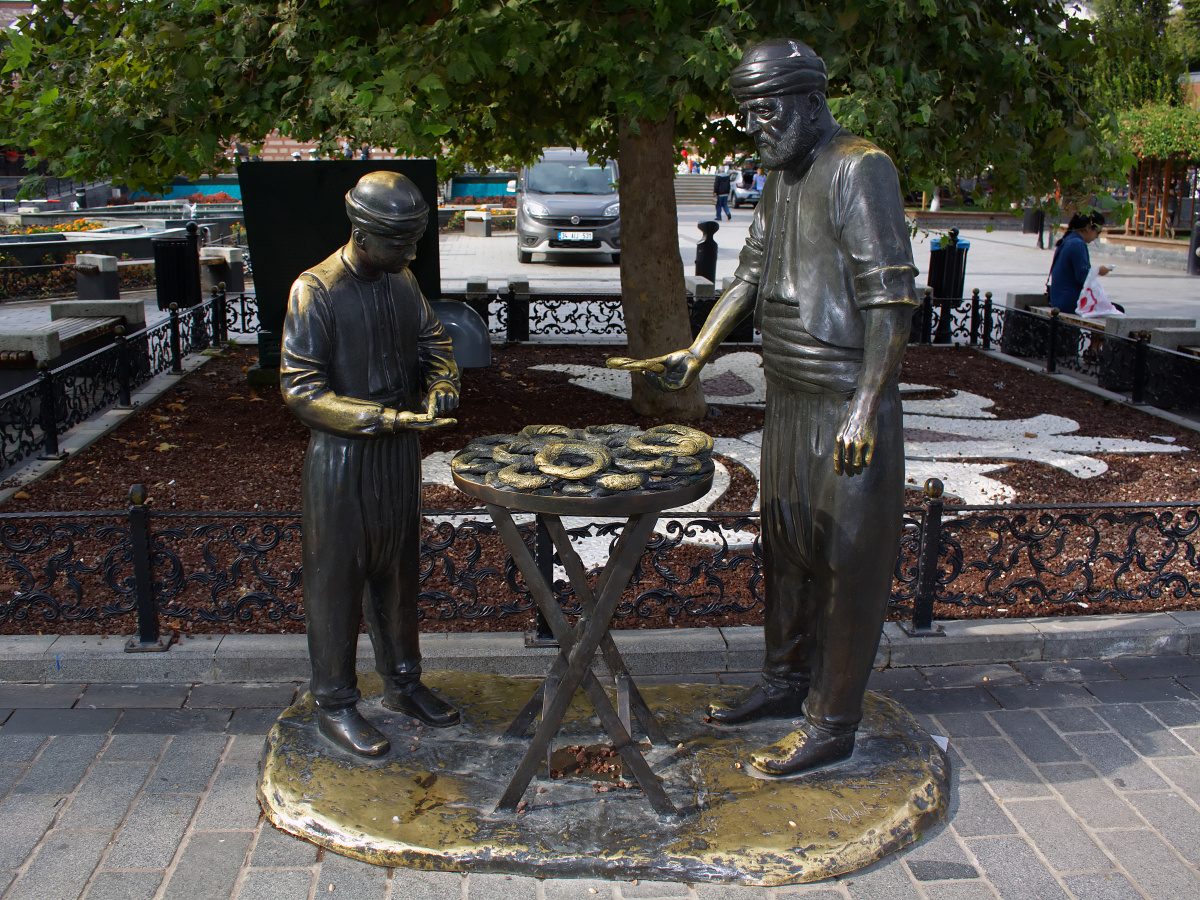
572, 177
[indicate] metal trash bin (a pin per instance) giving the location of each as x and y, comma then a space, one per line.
177, 268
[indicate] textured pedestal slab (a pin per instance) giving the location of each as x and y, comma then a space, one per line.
429, 803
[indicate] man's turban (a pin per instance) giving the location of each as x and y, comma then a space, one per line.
777, 67
387, 203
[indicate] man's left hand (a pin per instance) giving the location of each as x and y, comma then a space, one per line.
855, 440
442, 398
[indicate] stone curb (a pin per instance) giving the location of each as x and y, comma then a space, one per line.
666, 652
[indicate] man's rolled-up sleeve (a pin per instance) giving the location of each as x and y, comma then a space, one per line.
435, 351
873, 233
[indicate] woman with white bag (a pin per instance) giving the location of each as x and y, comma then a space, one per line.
1070, 268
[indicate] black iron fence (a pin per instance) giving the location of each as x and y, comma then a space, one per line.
172, 567
35, 415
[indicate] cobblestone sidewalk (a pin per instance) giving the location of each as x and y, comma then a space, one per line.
1071, 780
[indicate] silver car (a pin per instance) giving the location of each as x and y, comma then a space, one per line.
566, 204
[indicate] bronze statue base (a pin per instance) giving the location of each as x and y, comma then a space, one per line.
429, 803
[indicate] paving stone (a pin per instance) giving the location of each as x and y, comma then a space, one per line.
934, 870
631, 891
1014, 870
1174, 818
684, 678
4, 714
1055, 832
1107, 886
245, 750
242, 696
39, 696
1151, 864
947, 700
938, 846
209, 866
1041, 696
567, 888
412, 884
1146, 690
172, 721
1191, 682
61, 765
1156, 666
152, 833
9, 773
1183, 773
23, 821
351, 879
278, 849
1075, 719
1138, 727
62, 865
1068, 670
61, 721
905, 678
105, 796
703, 892
187, 764
958, 890
20, 748
1034, 737
232, 800
967, 725
1000, 766
1089, 797
253, 721
808, 892
978, 813
1175, 713
287, 884
964, 676
743, 679
1190, 735
134, 748
124, 886
885, 880
1117, 762
132, 696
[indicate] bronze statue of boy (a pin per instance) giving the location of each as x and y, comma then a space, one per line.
828, 272
366, 365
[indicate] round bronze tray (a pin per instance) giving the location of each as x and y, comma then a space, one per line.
626, 503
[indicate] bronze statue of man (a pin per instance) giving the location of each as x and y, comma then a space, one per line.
828, 272
366, 365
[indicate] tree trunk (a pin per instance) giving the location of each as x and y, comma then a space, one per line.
653, 298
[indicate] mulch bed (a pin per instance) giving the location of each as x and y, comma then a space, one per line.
212, 443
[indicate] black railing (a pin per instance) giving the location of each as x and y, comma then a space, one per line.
34, 416
151, 566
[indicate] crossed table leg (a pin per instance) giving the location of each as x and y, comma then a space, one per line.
578, 646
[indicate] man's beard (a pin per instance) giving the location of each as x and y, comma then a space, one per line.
792, 147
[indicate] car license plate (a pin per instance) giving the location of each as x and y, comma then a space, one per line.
574, 235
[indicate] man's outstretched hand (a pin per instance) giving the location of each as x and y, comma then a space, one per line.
442, 398
672, 372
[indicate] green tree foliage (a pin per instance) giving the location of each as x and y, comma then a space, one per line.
1184, 31
1137, 62
1160, 131
142, 90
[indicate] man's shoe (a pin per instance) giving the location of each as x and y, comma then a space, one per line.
346, 728
421, 703
765, 701
808, 748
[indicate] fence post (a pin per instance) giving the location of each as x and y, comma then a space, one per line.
517, 302
124, 396
199, 327
975, 317
542, 636
1052, 343
927, 563
49, 418
150, 637
176, 354
221, 316
987, 321
927, 317
1138, 394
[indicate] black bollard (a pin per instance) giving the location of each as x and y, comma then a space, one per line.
706, 251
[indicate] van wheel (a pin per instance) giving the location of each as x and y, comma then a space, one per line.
524, 256
616, 258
